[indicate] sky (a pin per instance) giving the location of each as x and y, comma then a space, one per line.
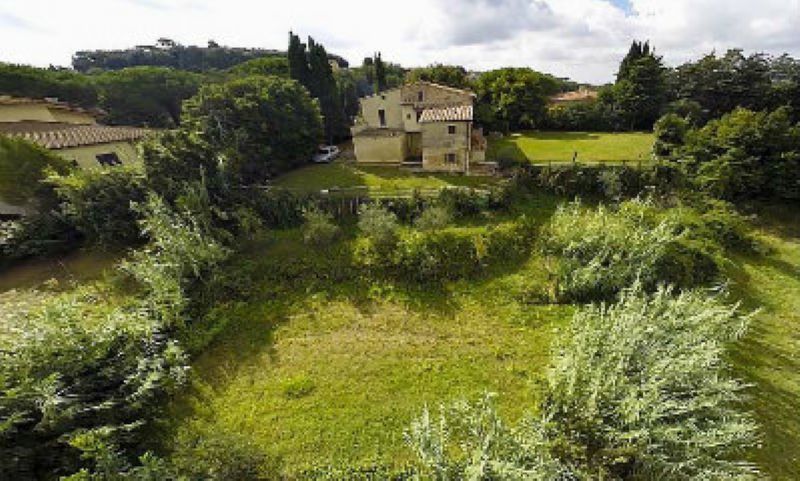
580, 39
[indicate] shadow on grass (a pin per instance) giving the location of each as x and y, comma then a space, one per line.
764, 360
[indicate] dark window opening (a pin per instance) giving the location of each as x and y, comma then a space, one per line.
408, 116
108, 159
420, 96
451, 129
382, 117
450, 158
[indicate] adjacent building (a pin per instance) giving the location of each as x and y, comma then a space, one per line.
70, 131
422, 125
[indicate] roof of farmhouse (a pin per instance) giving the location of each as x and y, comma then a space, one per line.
455, 113
63, 136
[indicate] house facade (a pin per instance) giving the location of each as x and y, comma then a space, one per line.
422, 125
70, 131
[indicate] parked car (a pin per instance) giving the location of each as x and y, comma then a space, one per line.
326, 154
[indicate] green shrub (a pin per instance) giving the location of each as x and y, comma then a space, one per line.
433, 218
379, 225
182, 249
437, 255
98, 202
24, 166
638, 390
603, 251
447, 254
470, 441
36, 235
463, 202
319, 229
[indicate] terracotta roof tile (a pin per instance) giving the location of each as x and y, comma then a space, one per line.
64, 136
453, 113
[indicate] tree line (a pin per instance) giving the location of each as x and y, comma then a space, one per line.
168, 53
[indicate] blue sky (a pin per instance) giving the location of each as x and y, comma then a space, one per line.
581, 39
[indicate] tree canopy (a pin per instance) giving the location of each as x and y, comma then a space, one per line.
450, 75
513, 98
262, 126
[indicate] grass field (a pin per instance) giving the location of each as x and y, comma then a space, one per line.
769, 356
561, 146
320, 372
344, 175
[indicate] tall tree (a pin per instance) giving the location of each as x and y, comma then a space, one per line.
298, 60
640, 92
261, 126
322, 86
380, 74
513, 98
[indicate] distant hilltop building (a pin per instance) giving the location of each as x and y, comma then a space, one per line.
422, 125
71, 131
583, 94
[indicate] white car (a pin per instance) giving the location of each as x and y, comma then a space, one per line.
326, 154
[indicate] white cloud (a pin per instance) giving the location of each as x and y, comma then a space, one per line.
582, 39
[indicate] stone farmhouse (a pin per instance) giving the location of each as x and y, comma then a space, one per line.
70, 131
424, 126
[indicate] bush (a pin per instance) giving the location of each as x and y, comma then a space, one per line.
98, 202
433, 218
379, 225
463, 202
23, 168
603, 251
36, 235
448, 254
747, 155
637, 390
319, 229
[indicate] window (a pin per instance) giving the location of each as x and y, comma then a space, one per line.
451, 129
108, 159
420, 96
450, 158
408, 116
382, 117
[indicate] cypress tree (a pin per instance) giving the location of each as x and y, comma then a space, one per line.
380, 74
298, 61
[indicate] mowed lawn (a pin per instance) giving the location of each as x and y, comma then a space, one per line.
374, 178
592, 147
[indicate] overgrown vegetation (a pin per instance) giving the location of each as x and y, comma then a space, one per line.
636, 390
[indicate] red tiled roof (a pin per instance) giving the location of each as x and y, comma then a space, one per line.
453, 113
63, 136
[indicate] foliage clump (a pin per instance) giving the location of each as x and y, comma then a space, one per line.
98, 202
602, 251
319, 229
637, 391
379, 225
24, 166
433, 218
